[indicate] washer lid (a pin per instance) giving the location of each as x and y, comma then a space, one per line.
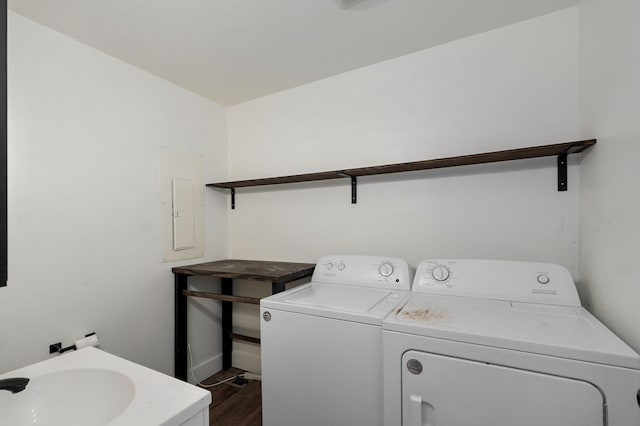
562, 331
337, 301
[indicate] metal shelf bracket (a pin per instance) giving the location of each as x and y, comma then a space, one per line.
354, 186
354, 189
562, 172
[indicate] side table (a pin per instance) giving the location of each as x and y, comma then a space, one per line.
278, 273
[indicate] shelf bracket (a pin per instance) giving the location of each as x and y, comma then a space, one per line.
354, 186
233, 198
354, 189
562, 172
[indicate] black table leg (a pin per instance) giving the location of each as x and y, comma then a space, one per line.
180, 332
277, 287
227, 324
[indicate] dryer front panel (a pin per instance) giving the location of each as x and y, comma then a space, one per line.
446, 391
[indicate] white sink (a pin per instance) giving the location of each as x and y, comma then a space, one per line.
90, 387
87, 396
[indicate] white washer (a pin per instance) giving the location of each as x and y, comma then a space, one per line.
321, 343
496, 343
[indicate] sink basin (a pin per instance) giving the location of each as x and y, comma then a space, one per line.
90, 387
83, 396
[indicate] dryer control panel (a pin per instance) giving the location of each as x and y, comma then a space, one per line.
528, 282
364, 271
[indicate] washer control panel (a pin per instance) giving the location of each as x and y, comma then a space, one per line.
364, 271
496, 279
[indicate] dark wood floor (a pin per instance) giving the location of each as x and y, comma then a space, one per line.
231, 405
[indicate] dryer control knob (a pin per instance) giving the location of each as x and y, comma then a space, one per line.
543, 279
329, 266
386, 269
440, 273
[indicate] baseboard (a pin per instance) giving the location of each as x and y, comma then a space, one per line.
243, 360
247, 361
206, 368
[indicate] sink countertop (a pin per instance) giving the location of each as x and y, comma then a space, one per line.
158, 400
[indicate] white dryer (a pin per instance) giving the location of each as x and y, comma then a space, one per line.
497, 343
321, 343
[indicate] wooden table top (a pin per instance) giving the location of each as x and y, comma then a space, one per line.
259, 270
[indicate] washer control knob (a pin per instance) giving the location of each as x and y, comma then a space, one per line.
341, 266
329, 266
386, 269
543, 279
440, 273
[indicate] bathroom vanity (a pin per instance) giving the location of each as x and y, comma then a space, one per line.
91, 387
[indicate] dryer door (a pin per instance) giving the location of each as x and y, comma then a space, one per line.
445, 391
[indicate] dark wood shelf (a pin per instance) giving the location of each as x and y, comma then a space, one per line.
561, 150
243, 338
487, 157
222, 297
258, 270
307, 177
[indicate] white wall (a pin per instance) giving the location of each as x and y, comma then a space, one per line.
609, 202
86, 133
508, 88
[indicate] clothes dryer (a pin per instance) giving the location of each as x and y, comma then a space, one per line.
321, 343
496, 343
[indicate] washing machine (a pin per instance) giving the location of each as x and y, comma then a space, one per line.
497, 343
321, 343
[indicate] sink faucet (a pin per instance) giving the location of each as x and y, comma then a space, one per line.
15, 384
